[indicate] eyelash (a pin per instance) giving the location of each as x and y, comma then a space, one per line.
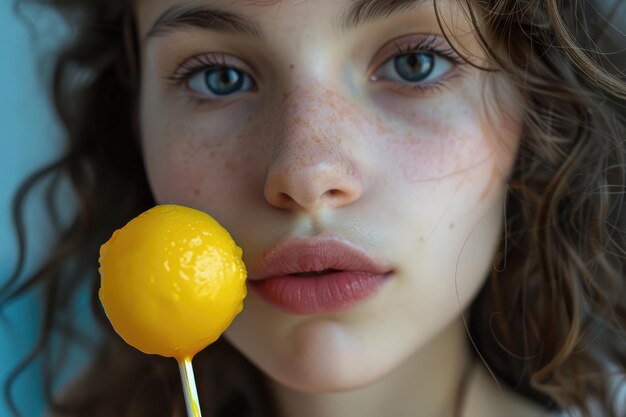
190, 67
426, 44
196, 64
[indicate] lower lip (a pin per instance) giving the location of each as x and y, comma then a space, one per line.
328, 293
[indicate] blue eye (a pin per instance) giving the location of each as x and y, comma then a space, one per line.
221, 81
414, 68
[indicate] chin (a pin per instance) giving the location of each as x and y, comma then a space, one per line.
325, 377
320, 356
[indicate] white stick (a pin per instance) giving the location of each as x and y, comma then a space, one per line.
189, 388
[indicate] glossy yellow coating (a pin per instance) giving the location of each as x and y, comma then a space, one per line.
172, 281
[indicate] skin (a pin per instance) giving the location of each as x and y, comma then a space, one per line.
324, 145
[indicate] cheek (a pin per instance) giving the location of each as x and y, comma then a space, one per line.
454, 134
437, 143
435, 149
187, 165
447, 166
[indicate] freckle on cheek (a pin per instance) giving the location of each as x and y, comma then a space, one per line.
187, 160
434, 157
433, 142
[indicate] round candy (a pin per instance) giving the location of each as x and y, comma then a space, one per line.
172, 281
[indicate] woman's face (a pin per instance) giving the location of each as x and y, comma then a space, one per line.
358, 163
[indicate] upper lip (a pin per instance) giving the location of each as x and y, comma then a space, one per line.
298, 255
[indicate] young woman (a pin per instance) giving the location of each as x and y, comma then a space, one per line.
428, 196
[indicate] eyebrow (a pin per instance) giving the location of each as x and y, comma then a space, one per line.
203, 17
365, 11
207, 18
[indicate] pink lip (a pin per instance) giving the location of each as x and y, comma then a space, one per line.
351, 276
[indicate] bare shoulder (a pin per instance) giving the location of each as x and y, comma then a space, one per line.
486, 399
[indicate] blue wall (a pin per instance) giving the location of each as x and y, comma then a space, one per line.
29, 136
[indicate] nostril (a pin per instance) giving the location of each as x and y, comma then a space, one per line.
284, 198
335, 194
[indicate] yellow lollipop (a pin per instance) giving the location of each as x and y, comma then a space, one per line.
172, 281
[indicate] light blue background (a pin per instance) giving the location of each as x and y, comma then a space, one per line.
29, 137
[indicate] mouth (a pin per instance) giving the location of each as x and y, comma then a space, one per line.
315, 273
314, 276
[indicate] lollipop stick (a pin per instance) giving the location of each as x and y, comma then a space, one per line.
189, 388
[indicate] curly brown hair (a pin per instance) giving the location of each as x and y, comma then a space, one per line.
548, 322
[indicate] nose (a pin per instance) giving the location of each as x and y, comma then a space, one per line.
312, 167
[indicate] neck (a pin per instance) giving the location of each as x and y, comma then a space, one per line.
426, 384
